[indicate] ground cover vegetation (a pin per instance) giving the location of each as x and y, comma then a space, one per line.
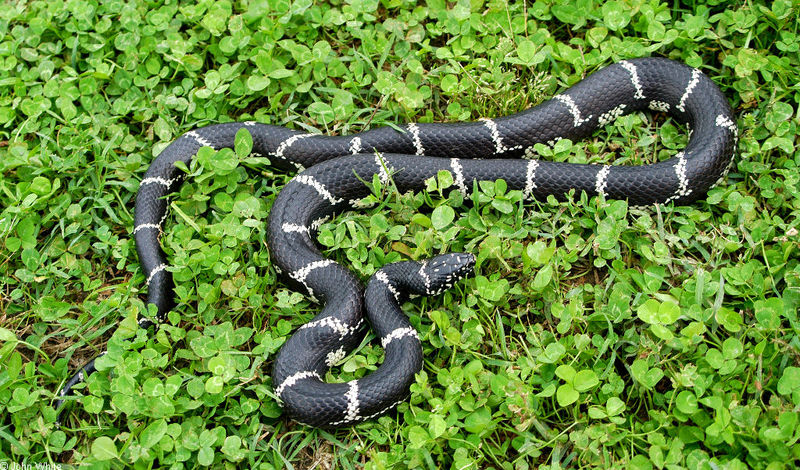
593, 335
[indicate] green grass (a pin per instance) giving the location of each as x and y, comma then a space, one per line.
593, 335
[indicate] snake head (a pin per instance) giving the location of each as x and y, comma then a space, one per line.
442, 272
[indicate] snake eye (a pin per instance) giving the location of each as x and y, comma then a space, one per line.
444, 271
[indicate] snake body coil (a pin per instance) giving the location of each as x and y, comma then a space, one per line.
483, 150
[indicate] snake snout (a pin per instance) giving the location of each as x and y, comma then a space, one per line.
444, 271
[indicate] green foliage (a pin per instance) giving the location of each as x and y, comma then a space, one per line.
594, 333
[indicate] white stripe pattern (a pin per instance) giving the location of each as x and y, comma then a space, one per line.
144, 226
352, 402
725, 171
355, 145
166, 214
381, 276
656, 105
458, 173
203, 142
692, 83
321, 190
317, 223
573, 109
160, 222
530, 178
414, 130
294, 228
382, 173
634, 79
683, 179
301, 274
333, 323
334, 357
611, 115
397, 334
157, 180
425, 277
498, 140
723, 121
155, 271
383, 410
292, 379
249, 123
288, 143
602, 180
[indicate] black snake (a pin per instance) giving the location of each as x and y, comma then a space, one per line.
489, 149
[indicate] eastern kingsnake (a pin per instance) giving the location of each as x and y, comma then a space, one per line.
470, 151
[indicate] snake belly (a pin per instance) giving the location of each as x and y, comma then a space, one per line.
488, 149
